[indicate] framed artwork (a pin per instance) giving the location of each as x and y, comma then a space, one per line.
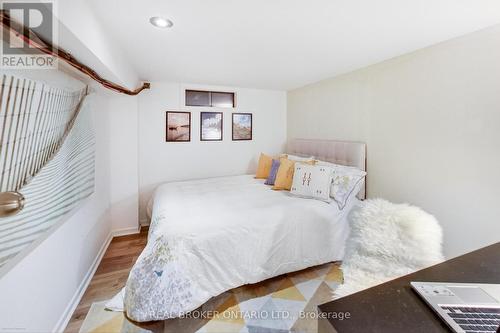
211, 126
242, 126
178, 126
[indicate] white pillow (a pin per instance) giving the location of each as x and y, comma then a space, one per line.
297, 158
346, 182
339, 166
345, 185
311, 181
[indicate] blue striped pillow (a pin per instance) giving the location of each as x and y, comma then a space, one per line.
272, 174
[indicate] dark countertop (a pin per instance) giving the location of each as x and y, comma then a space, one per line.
394, 307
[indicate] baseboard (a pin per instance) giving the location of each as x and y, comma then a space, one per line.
75, 300
64, 320
126, 231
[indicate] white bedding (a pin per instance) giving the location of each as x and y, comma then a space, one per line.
208, 236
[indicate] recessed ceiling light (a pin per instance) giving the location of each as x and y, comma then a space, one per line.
161, 22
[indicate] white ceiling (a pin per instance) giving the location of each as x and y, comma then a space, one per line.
280, 44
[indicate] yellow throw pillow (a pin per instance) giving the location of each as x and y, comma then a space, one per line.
264, 167
284, 177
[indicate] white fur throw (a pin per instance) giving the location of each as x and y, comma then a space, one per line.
387, 241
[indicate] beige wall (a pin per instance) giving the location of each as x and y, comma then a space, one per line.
431, 121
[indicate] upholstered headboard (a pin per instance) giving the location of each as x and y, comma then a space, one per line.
340, 152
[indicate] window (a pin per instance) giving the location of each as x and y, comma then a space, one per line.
197, 98
222, 100
210, 98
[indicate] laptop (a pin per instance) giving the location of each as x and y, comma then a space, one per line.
465, 307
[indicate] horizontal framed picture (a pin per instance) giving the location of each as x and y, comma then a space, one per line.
178, 126
211, 126
242, 126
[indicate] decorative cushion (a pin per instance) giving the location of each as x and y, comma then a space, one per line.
264, 167
340, 166
284, 177
272, 174
347, 182
297, 158
312, 181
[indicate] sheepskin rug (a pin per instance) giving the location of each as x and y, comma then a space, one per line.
387, 241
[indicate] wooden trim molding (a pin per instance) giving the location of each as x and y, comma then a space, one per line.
29, 37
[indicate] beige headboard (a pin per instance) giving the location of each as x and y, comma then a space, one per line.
340, 152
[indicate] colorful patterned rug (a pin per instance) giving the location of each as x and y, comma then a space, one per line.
286, 303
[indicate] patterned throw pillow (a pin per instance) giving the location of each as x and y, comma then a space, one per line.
345, 182
312, 181
272, 174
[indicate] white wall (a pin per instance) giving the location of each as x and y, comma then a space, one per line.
161, 161
36, 293
124, 176
431, 121
39, 291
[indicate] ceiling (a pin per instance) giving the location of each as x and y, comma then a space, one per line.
280, 44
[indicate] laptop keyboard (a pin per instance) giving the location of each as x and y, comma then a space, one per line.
476, 319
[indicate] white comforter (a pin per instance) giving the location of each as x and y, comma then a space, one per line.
208, 236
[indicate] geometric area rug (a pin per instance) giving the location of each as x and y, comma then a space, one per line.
287, 303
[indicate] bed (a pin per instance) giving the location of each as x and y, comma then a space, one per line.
211, 235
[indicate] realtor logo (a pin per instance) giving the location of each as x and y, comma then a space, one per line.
27, 25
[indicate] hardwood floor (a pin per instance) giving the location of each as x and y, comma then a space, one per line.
111, 274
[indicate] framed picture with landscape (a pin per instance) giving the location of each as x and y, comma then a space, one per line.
178, 126
211, 126
242, 126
